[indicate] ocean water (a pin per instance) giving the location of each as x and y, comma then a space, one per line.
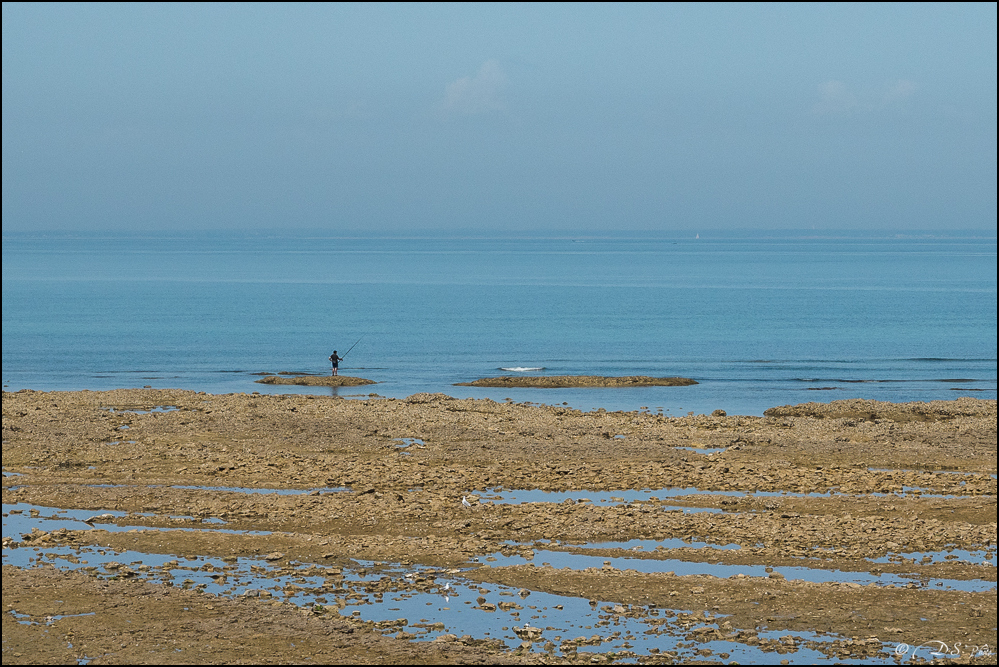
757, 320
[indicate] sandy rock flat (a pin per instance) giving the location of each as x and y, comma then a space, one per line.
893, 478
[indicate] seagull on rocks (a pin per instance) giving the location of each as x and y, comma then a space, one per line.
464, 501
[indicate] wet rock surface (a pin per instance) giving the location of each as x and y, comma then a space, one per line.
561, 381
383, 480
315, 380
127, 621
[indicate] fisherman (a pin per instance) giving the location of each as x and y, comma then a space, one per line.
335, 359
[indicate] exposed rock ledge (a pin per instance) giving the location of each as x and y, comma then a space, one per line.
555, 381
316, 380
870, 410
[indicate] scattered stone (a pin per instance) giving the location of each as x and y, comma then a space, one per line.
861, 461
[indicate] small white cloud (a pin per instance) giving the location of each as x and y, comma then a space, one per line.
838, 99
899, 91
835, 98
477, 94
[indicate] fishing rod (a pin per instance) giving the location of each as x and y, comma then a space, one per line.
351, 348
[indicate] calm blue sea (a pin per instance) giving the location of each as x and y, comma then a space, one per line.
757, 321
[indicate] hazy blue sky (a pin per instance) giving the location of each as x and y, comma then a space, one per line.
499, 117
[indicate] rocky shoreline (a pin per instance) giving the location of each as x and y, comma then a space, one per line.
847, 486
315, 380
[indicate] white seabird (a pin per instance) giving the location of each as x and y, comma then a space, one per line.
464, 501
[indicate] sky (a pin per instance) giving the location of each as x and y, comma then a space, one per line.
499, 117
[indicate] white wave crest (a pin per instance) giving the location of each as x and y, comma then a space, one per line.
522, 369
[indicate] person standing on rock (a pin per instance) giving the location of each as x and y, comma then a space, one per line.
335, 360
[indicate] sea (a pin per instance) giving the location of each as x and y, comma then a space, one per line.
757, 318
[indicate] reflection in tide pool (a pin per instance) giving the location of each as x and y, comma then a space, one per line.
702, 450
421, 603
977, 557
498, 496
26, 619
562, 559
20, 518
